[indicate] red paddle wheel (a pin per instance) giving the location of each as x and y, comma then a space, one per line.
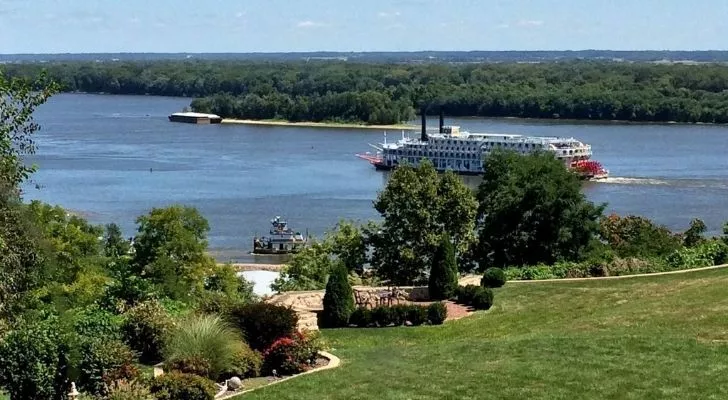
589, 169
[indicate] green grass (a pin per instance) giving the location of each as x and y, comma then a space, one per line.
641, 338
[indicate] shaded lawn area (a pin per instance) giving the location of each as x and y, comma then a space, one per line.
640, 338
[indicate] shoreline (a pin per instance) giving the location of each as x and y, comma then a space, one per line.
243, 267
340, 125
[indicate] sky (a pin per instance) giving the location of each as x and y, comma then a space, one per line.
207, 26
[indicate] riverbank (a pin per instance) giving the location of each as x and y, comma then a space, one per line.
242, 267
339, 125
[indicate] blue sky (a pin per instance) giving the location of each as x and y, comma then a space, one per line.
52, 26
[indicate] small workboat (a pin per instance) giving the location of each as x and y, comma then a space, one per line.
282, 239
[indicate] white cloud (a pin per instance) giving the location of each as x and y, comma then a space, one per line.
309, 24
239, 14
529, 22
385, 14
135, 20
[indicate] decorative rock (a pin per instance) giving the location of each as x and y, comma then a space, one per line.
235, 383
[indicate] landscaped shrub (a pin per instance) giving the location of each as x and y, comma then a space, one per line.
416, 315
493, 278
145, 330
177, 386
483, 299
263, 323
34, 361
195, 365
133, 390
247, 363
103, 362
361, 317
383, 316
437, 313
338, 301
444, 271
208, 337
291, 355
477, 297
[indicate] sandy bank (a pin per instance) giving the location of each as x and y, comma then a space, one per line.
240, 267
318, 124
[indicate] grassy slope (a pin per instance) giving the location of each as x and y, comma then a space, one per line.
643, 338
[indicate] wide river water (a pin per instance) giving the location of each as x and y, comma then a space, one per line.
113, 158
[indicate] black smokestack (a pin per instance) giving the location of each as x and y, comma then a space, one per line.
442, 119
423, 137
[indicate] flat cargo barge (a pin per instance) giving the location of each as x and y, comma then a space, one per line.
195, 118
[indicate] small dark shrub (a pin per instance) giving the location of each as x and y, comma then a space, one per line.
417, 315
339, 299
291, 355
361, 317
145, 329
493, 278
103, 362
437, 313
465, 294
191, 365
383, 316
264, 323
483, 299
246, 364
177, 386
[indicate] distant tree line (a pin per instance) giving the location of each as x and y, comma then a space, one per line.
390, 92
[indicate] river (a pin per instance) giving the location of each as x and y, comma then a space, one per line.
112, 158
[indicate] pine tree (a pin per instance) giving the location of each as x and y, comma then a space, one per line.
444, 272
338, 300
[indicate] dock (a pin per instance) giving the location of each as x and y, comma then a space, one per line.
195, 118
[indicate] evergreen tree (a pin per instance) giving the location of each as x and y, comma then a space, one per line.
339, 299
444, 272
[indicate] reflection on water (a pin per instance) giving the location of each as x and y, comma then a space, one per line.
115, 157
261, 280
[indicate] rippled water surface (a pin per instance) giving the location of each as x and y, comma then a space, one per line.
114, 157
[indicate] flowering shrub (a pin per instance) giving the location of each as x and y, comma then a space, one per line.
291, 355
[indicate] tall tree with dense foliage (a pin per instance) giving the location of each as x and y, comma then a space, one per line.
21, 260
532, 211
348, 244
418, 206
443, 278
338, 300
170, 249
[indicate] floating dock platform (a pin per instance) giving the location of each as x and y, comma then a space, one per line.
195, 118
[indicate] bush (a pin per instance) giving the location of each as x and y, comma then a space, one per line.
291, 355
96, 322
177, 386
483, 299
247, 363
207, 337
437, 313
493, 278
123, 390
444, 272
383, 316
264, 323
339, 299
477, 297
361, 317
104, 362
145, 330
194, 365
34, 361
416, 315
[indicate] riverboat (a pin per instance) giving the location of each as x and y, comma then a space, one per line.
282, 239
464, 152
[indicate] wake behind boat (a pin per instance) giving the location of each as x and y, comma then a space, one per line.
463, 152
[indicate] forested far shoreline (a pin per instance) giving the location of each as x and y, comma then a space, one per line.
390, 93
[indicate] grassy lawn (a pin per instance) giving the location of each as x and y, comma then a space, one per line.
641, 338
